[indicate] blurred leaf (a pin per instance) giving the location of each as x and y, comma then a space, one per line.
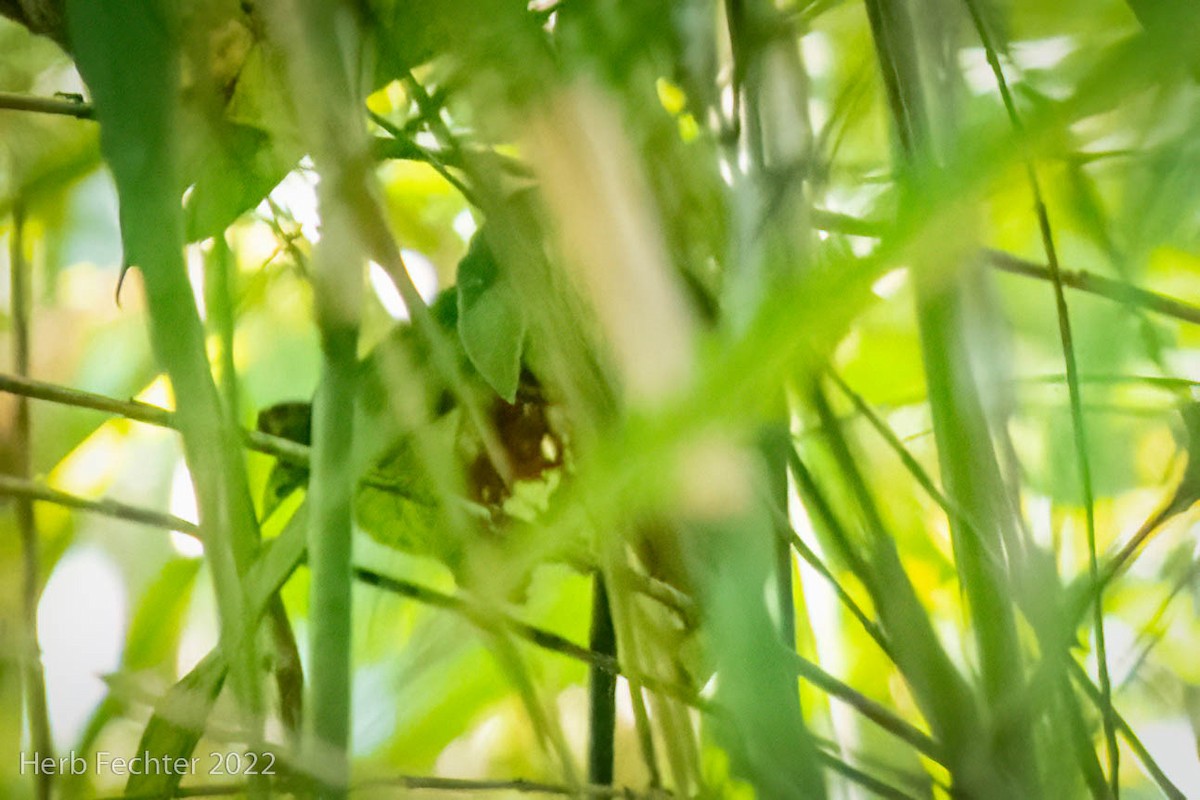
127, 54
232, 175
177, 725
156, 628
491, 322
399, 506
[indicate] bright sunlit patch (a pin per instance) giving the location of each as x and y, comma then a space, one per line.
80, 284
726, 171
976, 72
424, 277
1039, 511
1124, 650
1043, 53
1172, 744
183, 505
572, 705
297, 194
374, 722
469, 755
388, 99
670, 95
158, 393
890, 283
195, 271
861, 246
728, 101
91, 466
625, 715
818, 54
465, 225
818, 113
81, 620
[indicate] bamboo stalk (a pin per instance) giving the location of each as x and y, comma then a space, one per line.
969, 467
35, 679
1078, 423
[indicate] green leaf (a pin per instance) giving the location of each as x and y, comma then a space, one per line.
399, 506
490, 321
127, 54
232, 172
178, 722
157, 625
236, 161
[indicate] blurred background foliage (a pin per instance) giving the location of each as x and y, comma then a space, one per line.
793, 227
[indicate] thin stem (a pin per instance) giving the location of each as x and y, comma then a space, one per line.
1078, 424
330, 497
880, 715
1109, 288
602, 688
869, 782
815, 500
1081, 280
46, 105
428, 156
35, 679
284, 449
219, 274
1094, 694
953, 512
969, 466
622, 610
17, 487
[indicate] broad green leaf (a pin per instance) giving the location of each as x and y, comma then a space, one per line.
236, 161
127, 55
399, 506
491, 322
232, 174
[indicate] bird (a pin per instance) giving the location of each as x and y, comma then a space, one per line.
414, 446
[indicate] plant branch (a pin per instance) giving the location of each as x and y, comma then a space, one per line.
283, 449
60, 106
1109, 288
879, 714
1081, 280
18, 487
1094, 694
